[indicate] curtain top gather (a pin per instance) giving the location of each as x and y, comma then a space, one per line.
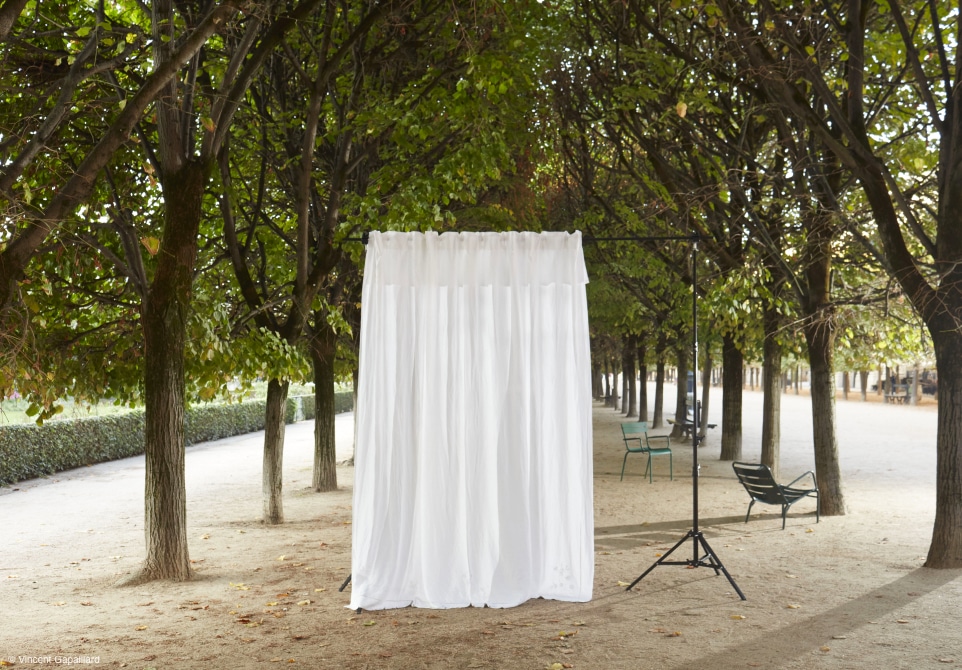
476, 259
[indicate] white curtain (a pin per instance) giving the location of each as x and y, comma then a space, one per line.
473, 466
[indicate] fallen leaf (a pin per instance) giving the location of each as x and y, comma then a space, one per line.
140, 628
624, 583
303, 602
282, 557
946, 660
676, 633
737, 616
810, 530
839, 637
902, 621
793, 606
370, 623
271, 604
240, 586
578, 623
319, 590
205, 536
825, 649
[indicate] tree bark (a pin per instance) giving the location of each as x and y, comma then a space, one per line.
642, 381
732, 362
164, 319
772, 397
659, 418
945, 551
863, 384
820, 336
706, 375
628, 357
681, 390
323, 350
273, 470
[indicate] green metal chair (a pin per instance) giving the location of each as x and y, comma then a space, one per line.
637, 441
762, 487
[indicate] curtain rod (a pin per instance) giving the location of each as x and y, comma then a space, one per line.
587, 239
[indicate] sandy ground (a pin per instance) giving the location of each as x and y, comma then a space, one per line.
848, 592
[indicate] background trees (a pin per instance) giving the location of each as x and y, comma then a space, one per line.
178, 182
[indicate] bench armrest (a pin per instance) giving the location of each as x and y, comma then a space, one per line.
801, 477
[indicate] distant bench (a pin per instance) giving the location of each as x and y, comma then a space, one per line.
687, 426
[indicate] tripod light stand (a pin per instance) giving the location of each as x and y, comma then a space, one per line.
703, 556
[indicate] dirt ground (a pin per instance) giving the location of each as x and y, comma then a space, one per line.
848, 592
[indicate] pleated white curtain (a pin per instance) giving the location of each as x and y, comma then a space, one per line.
473, 466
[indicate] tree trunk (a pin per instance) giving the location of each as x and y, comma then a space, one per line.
642, 383
945, 551
658, 419
629, 371
323, 350
846, 381
607, 383
274, 428
863, 384
706, 375
681, 391
624, 387
164, 322
771, 394
820, 336
732, 362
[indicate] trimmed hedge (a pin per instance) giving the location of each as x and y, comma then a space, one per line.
28, 450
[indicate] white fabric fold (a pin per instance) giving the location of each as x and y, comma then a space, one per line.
473, 467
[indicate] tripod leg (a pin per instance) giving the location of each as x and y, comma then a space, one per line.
346, 582
659, 561
717, 565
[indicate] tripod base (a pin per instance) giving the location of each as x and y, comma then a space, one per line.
707, 560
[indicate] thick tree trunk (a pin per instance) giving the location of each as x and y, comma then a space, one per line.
945, 551
863, 384
164, 322
732, 382
820, 336
772, 397
323, 349
274, 428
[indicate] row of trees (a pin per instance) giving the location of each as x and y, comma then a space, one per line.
810, 150
182, 183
